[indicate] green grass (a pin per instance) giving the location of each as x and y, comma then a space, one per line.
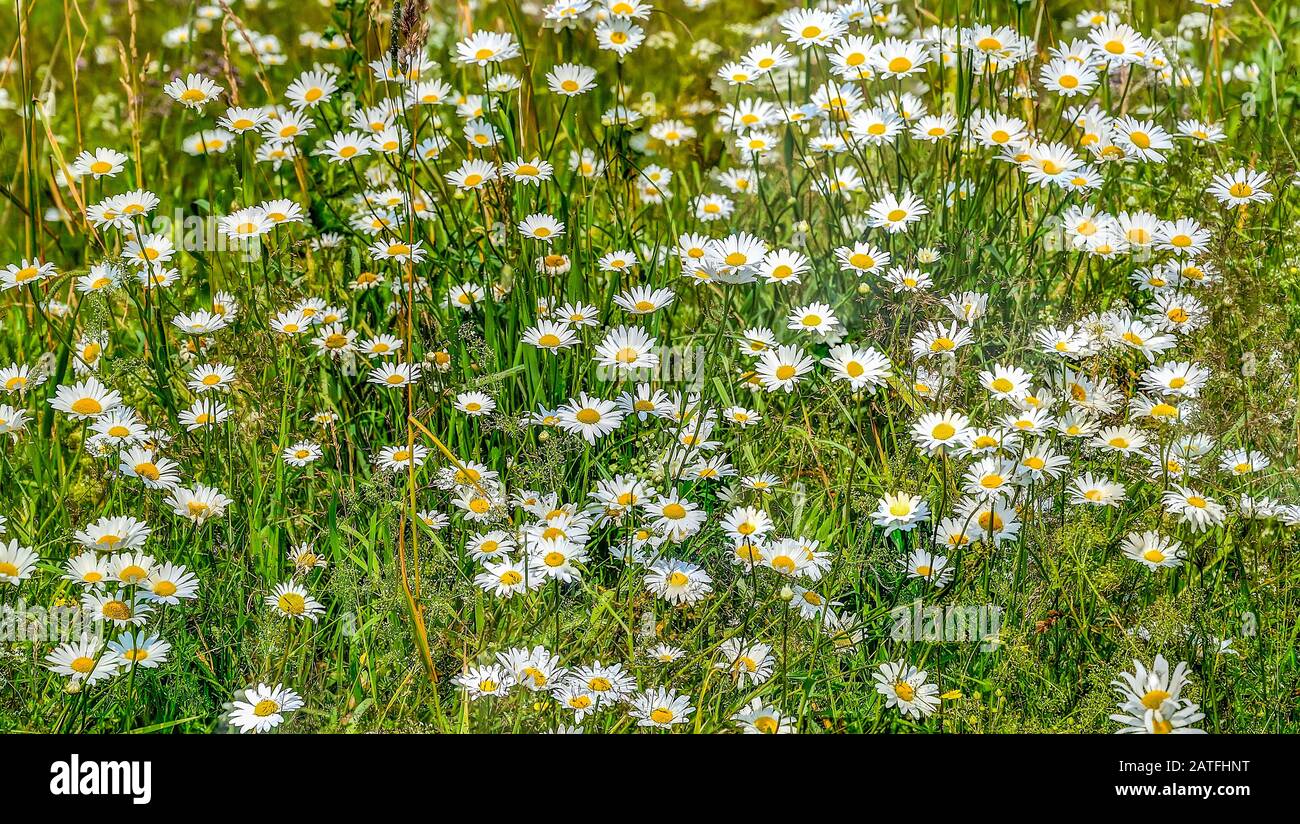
403, 616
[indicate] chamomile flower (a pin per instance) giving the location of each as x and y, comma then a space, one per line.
1241, 187
1193, 508
661, 708
193, 91
1152, 550
905, 687
16, 563
87, 660
900, 512
262, 708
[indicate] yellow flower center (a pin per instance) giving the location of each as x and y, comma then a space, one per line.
292, 603
1153, 699
87, 406
266, 707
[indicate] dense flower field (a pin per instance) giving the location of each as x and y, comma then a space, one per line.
631, 365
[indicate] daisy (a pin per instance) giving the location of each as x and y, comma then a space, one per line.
85, 400
117, 608
310, 89
472, 174
895, 215
643, 300
1068, 77
1095, 491
905, 687
1152, 550
619, 36
12, 421
678, 582
204, 414
346, 146
861, 368
483, 47
507, 578
294, 601
170, 584
135, 649
758, 718
555, 558
897, 58
748, 663
198, 504
862, 258
394, 375
931, 568
1240, 187
662, 708
1193, 508
589, 417
194, 91
99, 163
570, 79
1243, 461
153, 470
474, 404
551, 336
262, 708
87, 660
900, 512
87, 569
399, 458
815, 317
784, 266
301, 453
1006, 382
533, 172
782, 368
936, 340
541, 227
16, 563
240, 120
937, 431
626, 348
1143, 138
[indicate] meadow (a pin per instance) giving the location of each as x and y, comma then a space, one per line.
611, 366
